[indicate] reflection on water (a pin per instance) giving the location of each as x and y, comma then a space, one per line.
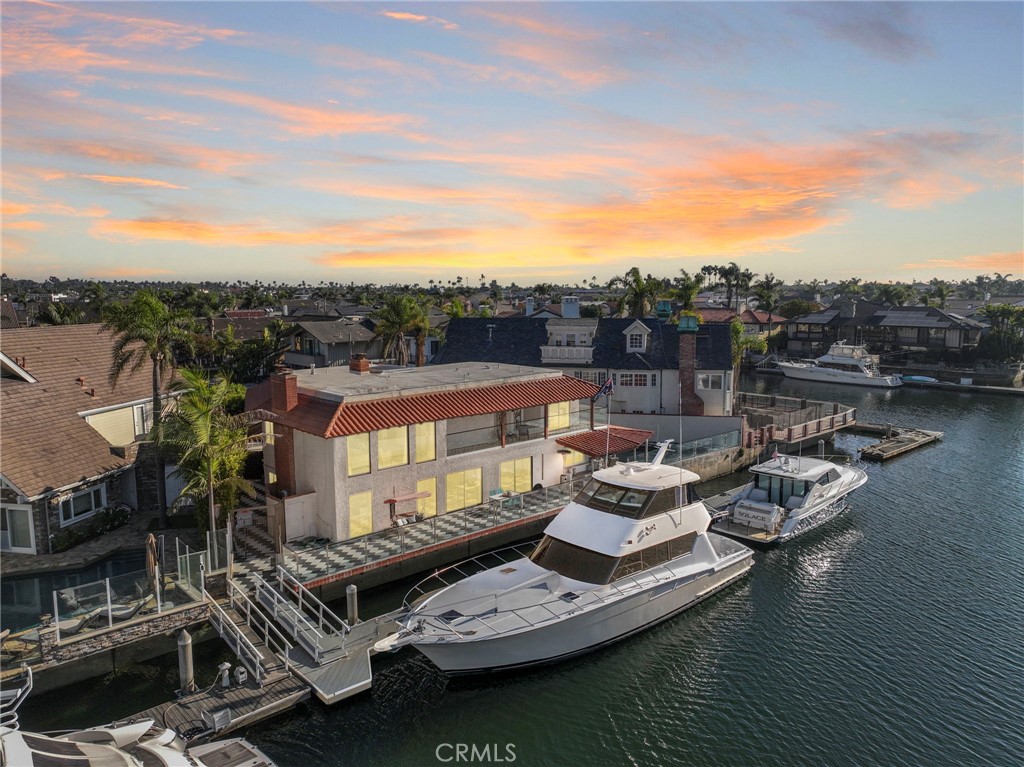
889, 636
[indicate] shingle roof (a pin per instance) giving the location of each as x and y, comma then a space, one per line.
45, 444
517, 341
327, 418
336, 331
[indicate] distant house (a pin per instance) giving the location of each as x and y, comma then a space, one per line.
68, 437
349, 445
641, 356
326, 343
882, 328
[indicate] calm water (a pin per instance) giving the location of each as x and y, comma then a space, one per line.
893, 636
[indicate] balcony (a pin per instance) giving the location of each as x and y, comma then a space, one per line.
576, 355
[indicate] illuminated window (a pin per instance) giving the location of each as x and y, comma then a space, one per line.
463, 489
427, 506
268, 433
558, 416
573, 458
517, 475
426, 444
358, 454
360, 514
392, 447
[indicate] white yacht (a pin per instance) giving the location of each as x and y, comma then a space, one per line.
142, 744
631, 550
845, 364
787, 497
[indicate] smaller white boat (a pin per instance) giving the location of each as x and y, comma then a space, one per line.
844, 363
787, 497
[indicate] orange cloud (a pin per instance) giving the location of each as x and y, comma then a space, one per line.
537, 26
583, 71
25, 226
14, 208
924, 189
306, 120
418, 19
131, 181
1012, 262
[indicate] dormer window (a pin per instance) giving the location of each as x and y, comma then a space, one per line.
636, 338
636, 342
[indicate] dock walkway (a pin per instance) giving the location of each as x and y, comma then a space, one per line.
898, 442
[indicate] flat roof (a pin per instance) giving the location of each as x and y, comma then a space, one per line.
341, 384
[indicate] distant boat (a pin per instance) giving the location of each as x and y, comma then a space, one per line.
845, 364
919, 379
787, 497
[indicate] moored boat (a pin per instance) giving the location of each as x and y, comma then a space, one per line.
631, 550
788, 496
844, 363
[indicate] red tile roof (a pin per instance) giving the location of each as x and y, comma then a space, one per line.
716, 315
610, 440
327, 418
45, 444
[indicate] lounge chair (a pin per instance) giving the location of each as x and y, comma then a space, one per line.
123, 612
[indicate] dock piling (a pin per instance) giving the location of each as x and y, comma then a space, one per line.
186, 676
821, 449
352, 602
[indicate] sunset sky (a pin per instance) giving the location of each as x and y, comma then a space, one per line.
404, 142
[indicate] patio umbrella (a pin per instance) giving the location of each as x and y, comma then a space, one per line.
152, 573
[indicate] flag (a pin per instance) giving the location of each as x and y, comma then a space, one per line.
775, 455
606, 389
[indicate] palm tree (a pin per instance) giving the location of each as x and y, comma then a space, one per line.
58, 313
400, 316
146, 331
941, 291
687, 287
206, 443
640, 292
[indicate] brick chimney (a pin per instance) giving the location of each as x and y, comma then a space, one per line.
359, 364
689, 402
284, 392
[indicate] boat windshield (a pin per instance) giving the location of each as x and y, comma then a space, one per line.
574, 562
635, 504
779, 490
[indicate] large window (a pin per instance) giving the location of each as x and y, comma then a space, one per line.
82, 504
574, 562
633, 379
358, 454
558, 416
573, 458
392, 447
591, 376
636, 342
426, 444
517, 475
427, 506
463, 489
636, 504
654, 555
16, 532
360, 514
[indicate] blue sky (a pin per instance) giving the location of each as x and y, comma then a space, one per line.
403, 142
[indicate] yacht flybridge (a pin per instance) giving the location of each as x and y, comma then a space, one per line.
631, 550
787, 497
844, 363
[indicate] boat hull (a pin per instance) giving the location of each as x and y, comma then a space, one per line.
585, 631
827, 375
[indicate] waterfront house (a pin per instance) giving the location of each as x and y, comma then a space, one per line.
352, 449
641, 356
882, 328
69, 439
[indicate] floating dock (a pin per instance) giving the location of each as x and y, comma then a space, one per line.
896, 440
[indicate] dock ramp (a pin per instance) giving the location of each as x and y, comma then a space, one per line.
331, 656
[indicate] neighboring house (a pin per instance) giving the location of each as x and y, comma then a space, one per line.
329, 342
758, 323
345, 445
8, 315
642, 357
68, 437
245, 328
883, 328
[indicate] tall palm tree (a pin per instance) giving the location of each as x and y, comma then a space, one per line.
146, 331
398, 317
640, 292
687, 287
205, 442
58, 313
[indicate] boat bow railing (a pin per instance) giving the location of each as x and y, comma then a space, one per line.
446, 576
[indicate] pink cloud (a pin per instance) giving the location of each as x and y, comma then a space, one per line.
419, 19
131, 181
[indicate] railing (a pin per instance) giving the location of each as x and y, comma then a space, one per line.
467, 568
244, 649
284, 612
327, 620
11, 698
259, 623
549, 353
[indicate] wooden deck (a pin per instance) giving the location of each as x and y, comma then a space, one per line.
899, 441
247, 704
745, 532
